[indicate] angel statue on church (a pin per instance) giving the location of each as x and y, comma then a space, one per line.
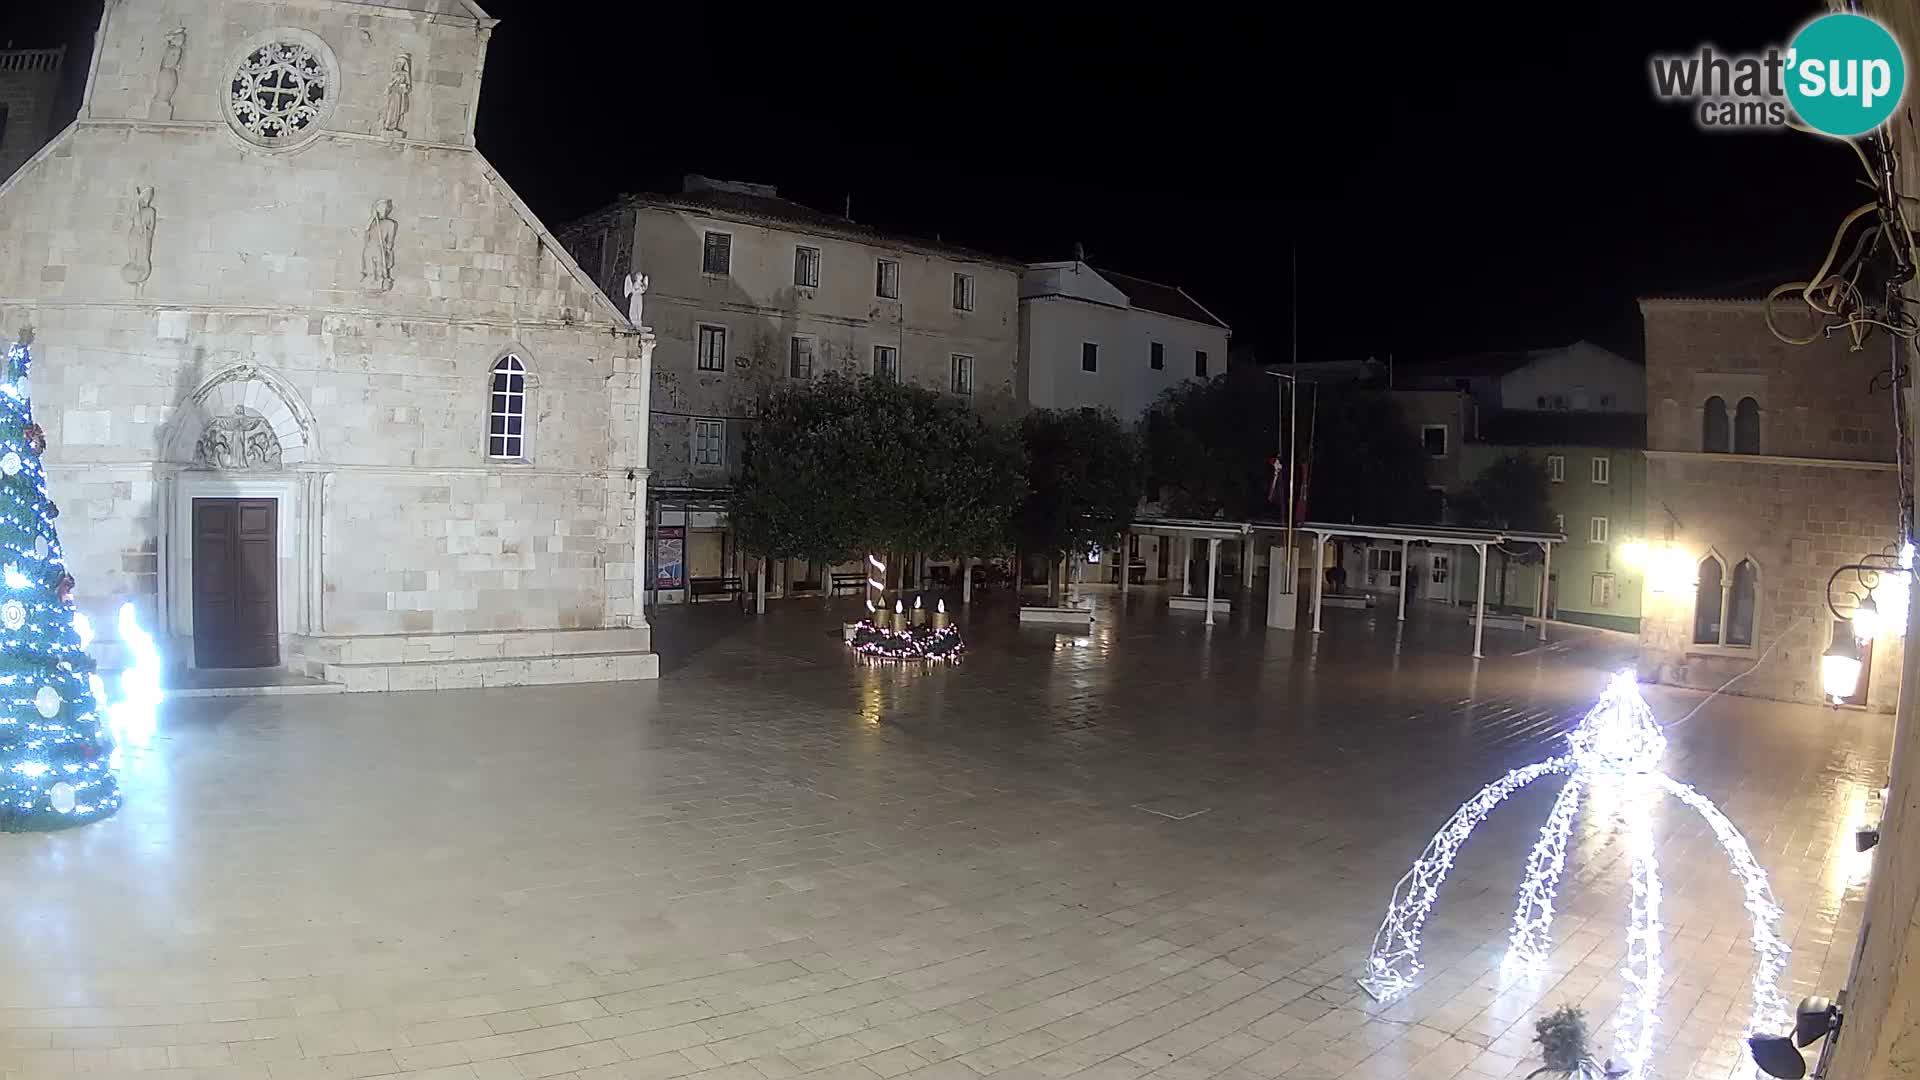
635, 290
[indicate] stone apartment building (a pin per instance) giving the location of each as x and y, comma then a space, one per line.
29, 89
746, 289
1768, 466
1580, 410
318, 388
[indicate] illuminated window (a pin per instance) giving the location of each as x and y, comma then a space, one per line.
507, 411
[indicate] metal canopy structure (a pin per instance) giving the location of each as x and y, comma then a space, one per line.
1212, 531
1477, 539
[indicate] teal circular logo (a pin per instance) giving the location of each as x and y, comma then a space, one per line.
1845, 74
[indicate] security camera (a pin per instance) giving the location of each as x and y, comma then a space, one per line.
1865, 838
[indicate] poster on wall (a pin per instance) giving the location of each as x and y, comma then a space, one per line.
670, 557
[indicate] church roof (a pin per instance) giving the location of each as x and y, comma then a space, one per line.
464, 9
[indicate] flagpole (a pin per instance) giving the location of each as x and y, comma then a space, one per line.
1293, 405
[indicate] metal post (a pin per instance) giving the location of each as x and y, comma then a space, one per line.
1186, 565
1546, 575
1246, 559
1319, 576
1404, 570
1213, 557
1126, 561
966, 580
760, 587
1480, 606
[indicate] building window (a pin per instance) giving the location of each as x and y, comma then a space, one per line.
1715, 437
806, 267
1602, 470
1199, 363
963, 292
1438, 567
1708, 599
1740, 598
886, 280
962, 373
1600, 593
1746, 427
716, 257
1606, 401
1550, 401
1434, 438
1089, 356
1560, 524
710, 443
1157, 356
886, 363
1596, 530
800, 358
3, 123
507, 412
1557, 468
1723, 606
713, 348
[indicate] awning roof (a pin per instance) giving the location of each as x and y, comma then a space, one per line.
1434, 534
1205, 526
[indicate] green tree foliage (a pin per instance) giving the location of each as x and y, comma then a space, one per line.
1210, 446
1510, 493
842, 465
1083, 480
1368, 465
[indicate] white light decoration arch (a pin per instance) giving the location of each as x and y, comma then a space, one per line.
1616, 749
280, 89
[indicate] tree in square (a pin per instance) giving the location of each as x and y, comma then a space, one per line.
55, 746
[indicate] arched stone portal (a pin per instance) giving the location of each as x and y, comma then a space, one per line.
242, 440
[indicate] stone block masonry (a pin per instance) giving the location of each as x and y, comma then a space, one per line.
338, 304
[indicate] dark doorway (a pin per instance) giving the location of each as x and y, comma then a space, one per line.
236, 593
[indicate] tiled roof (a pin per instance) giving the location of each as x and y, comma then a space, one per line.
1163, 299
773, 210
1553, 428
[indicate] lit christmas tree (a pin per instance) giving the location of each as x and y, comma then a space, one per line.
55, 746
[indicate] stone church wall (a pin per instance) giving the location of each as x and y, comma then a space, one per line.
255, 270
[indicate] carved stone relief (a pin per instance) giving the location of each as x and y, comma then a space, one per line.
139, 265
376, 250
399, 96
240, 442
167, 80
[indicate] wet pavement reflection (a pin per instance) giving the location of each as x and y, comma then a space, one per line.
1150, 849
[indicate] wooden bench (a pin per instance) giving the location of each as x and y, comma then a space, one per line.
715, 586
848, 581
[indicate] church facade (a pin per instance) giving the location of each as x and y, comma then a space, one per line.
319, 391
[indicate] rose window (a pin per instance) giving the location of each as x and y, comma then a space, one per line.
279, 93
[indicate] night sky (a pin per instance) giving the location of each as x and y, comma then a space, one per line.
1456, 177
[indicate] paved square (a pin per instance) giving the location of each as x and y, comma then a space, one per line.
780, 861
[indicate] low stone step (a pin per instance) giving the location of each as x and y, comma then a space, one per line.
453, 674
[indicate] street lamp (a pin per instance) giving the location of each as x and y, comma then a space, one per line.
1840, 667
